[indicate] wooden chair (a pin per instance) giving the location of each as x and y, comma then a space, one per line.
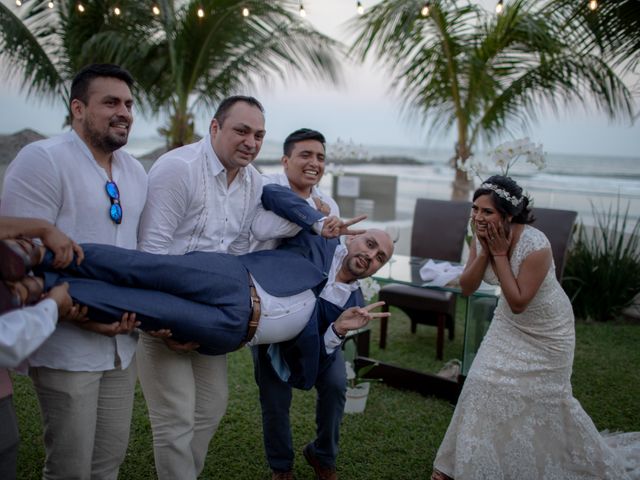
557, 225
439, 229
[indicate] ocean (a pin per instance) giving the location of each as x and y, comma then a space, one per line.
571, 182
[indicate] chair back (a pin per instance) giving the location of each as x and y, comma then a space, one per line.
557, 225
439, 229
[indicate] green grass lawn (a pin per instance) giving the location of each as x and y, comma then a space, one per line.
399, 433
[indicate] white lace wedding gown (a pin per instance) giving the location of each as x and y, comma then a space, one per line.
516, 418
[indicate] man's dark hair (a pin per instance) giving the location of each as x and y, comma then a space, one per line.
227, 103
82, 80
299, 136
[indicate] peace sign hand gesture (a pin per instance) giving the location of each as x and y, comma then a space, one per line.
357, 317
334, 227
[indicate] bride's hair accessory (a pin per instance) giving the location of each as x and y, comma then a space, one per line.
501, 192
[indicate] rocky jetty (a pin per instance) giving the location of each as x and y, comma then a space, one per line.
11, 144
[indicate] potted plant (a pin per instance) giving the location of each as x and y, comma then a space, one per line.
357, 386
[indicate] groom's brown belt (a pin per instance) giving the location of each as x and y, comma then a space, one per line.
254, 319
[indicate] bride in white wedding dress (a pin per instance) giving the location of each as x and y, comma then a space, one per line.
516, 418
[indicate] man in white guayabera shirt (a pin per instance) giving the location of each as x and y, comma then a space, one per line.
94, 192
202, 197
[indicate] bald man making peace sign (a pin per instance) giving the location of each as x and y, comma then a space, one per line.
289, 297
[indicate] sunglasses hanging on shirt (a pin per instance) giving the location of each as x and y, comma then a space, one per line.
115, 211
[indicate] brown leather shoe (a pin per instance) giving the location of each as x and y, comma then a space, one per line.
282, 476
322, 472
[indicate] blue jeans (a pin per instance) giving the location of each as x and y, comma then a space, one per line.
275, 400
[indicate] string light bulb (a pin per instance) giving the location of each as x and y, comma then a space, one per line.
116, 10
303, 13
50, 4
593, 4
245, 12
81, 8
425, 10
499, 7
359, 8
155, 10
200, 12
18, 3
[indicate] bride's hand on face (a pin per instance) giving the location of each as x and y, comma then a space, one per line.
498, 239
480, 233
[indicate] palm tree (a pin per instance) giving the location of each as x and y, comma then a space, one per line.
613, 29
188, 56
487, 75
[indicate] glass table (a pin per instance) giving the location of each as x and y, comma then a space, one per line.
478, 313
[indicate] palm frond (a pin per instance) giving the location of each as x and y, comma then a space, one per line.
28, 53
483, 74
612, 29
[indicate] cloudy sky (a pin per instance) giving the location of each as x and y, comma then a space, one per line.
361, 109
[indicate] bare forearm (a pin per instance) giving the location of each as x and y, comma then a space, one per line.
11, 227
474, 270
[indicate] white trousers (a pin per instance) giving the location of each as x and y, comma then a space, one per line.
86, 419
186, 394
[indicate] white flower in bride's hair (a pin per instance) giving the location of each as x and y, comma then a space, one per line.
369, 288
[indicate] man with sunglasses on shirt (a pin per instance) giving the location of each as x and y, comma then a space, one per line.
94, 192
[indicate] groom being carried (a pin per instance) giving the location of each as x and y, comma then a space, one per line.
224, 301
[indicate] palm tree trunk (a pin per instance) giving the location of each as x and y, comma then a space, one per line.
182, 129
179, 130
461, 186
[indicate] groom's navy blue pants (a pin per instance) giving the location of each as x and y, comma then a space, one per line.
275, 401
202, 297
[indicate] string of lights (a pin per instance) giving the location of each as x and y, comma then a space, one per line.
360, 9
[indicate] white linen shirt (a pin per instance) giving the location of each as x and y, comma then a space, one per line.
282, 318
267, 224
23, 330
190, 207
58, 180
337, 293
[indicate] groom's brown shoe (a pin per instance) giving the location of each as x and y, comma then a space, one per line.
322, 472
282, 476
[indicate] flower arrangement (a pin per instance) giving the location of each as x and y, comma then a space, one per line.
505, 156
342, 151
369, 287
